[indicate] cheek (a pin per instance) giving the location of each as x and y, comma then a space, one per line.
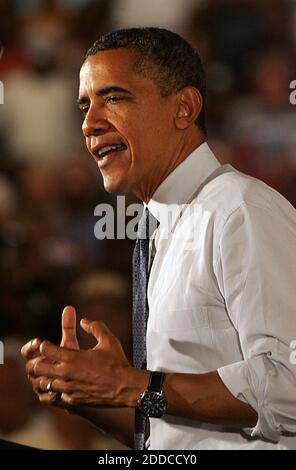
87, 143
146, 134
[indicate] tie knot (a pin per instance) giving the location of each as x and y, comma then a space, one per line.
147, 225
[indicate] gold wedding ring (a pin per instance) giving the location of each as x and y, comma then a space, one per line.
48, 387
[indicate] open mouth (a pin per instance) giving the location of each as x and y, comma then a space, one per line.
107, 149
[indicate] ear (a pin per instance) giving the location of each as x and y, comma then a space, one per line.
189, 105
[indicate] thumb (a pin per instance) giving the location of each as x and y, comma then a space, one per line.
69, 337
99, 330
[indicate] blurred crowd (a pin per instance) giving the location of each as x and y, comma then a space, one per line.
49, 187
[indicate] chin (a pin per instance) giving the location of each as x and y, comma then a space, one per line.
115, 186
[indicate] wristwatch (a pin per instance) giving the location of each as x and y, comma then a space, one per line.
152, 402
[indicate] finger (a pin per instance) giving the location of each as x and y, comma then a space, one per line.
63, 386
55, 353
67, 399
49, 398
74, 399
40, 367
31, 349
31, 365
69, 336
80, 399
37, 384
99, 330
45, 385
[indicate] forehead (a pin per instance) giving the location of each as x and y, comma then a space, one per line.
111, 66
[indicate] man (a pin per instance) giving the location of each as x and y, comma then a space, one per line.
221, 290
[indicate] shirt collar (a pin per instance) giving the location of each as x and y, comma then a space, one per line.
176, 190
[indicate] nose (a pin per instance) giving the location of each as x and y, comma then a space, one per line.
95, 122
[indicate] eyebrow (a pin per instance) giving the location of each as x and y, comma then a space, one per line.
103, 92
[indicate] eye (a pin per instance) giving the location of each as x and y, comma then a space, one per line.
113, 99
84, 110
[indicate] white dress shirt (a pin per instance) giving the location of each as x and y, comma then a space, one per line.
222, 296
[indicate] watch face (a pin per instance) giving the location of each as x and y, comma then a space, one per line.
153, 404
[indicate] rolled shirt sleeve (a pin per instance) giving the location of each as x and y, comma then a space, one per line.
256, 272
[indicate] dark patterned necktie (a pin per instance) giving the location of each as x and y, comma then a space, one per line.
147, 226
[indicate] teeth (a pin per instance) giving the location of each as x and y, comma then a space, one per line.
108, 148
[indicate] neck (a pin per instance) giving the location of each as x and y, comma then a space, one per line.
180, 152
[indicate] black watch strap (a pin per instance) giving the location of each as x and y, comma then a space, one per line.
156, 381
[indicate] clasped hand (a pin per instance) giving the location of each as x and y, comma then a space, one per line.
68, 375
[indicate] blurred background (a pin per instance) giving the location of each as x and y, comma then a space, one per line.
49, 186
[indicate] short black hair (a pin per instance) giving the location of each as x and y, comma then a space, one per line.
175, 63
